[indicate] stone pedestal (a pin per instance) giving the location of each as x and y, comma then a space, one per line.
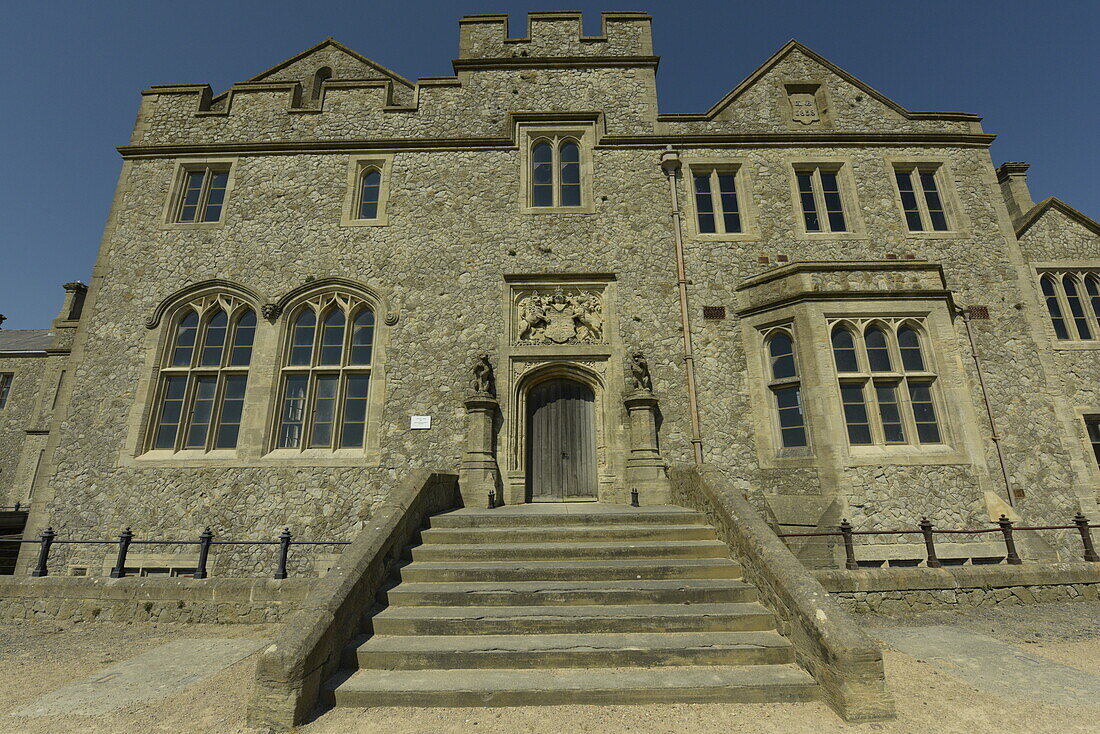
479, 474
646, 471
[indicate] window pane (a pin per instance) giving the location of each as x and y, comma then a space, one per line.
1053, 307
809, 205
792, 426
173, 390
1076, 307
1092, 287
355, 411
216, 195
243, 337
332, 338
704, 204
301, 348
727, 187
5, 388
292, 416
932, 199
878, 354
229, 424
887, 396
186, 333
191, 194
324, 410
781, 349
570, 183
1092, 425
855, 414
831, 191
542, 175
909, 200
844, 351
362, 337
370, 185
202, 409
924, 412
911, 357
214, 340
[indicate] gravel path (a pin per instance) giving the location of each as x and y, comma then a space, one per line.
38, 656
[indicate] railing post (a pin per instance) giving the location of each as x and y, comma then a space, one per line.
926, 530
43, 552
634, 498
1082, 524
1010, 545
204, 550
123, 546
17, 506
284, 549
849, 548
492, 498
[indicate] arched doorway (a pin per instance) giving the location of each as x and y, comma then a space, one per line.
561, 441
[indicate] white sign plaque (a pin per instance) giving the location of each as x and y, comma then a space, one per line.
417, 422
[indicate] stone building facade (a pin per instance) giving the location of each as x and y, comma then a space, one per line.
832, 298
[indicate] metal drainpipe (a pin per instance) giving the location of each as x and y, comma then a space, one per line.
965, 313
670, 163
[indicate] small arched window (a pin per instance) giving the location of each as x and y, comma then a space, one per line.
319, 78
370, 190
844, 350
556, 173
1054, 308
786, 389
200, 396
326, 375
878, 349
1092, 288
912, 360
1076, 307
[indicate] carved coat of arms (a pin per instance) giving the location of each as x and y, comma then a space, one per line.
804, 108
560, 318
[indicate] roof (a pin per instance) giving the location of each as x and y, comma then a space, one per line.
25, 340
1052, 202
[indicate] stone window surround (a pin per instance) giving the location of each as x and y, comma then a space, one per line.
1059, 268
528, 134
843, 166
808, 321
179, 176
746, 202
958, 225
260, 416
349, 214
6, 379
764, 335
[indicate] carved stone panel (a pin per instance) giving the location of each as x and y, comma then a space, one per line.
552, 315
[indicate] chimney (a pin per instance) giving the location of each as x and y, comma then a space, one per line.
1012, 177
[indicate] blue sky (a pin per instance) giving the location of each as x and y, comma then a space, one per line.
72, 74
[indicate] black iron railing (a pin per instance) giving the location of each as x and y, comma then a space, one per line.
925, 528
48, 539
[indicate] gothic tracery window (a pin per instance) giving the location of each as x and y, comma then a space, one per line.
556, 173
1073, 304
887, 389
326, 374
203, 376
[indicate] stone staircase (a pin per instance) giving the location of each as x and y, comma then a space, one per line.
579, 603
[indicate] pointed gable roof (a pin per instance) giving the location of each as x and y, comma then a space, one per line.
1052, 202
793, 46
355, 65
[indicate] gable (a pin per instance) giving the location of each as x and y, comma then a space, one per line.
1054, 231
344, 63
840, 101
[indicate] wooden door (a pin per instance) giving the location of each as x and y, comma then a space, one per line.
561, 441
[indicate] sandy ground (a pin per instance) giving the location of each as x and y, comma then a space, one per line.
37, 657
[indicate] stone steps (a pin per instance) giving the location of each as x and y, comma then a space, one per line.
512, 687
571, 650
570, 551
513, 593
571, 603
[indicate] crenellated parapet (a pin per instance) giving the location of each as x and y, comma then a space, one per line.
555, 34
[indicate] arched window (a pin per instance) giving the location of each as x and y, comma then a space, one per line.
844, 350
1076, 307
323, 74
326, 375
893, 402
1092, 288
556, 173
370, 190
786, 388
1054, 308
200, 396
